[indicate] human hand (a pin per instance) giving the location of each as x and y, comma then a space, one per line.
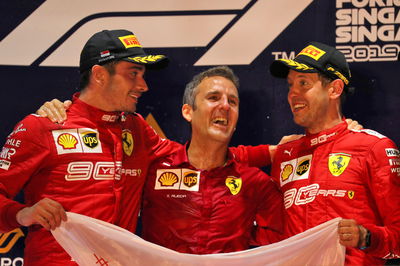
353, 124
54, 110
352, 234
46, 212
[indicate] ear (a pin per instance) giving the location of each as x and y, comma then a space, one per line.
336, 89
187, 112
99, 75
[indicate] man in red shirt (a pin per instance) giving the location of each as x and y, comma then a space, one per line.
84, 164
202, 199
333, 171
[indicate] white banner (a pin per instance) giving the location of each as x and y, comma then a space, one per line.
93, 242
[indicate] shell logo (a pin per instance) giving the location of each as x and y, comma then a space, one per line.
286, 172
168, 179
67, 141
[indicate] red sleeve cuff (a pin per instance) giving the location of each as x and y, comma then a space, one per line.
9, 220
376, 241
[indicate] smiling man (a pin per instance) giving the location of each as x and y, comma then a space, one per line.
82, 165
333, 171
202, 199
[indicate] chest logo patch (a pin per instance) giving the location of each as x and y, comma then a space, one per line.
190, 178
168, 179
90, 139
295, 169
338, 162
127, 142
350, 194
177, 179
286, 172
77, 140
234, 184
67, 141
303, 167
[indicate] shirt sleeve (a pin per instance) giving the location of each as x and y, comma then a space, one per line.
157, 146
20, 157
384, 183
253, 156
269, 217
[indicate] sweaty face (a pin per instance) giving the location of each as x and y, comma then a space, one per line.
125, 86
216, 109
308, 100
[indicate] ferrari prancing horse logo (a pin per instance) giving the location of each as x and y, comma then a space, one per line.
127, 142
338, 162
234, 184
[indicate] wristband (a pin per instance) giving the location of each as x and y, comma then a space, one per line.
367, 241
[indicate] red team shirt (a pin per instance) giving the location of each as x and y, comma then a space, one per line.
201, 212
84, 164
343, 173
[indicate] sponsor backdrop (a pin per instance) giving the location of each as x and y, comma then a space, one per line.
41, 41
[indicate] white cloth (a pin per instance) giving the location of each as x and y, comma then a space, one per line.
93, 242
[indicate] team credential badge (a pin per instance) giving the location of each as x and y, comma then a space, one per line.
127, 142
234, 184
338, 162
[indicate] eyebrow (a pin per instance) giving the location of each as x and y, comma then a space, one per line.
218, 92
302, 76
138, 67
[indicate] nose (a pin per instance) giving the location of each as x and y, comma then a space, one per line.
293, 91
142, 85
224, 103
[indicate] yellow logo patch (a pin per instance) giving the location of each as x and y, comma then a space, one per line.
168, 179
338, 162
127, 142
313, 52
90, 139
303, 167
286, 172
190, 178
129, 41
8, 240
67, 141
350, 194
234, 184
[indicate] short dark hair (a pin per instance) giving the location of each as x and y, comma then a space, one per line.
85, 76
191, 88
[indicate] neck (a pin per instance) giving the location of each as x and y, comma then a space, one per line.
326, 123
205, 155
92, 98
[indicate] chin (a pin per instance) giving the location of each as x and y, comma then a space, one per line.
299, 122
131, 109
221, 138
